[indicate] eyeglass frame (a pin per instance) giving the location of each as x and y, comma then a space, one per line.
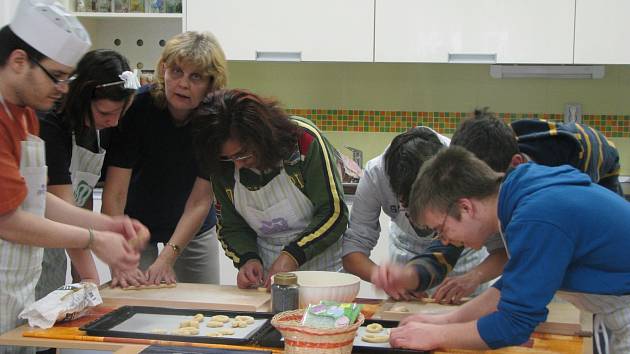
239, 158
55, 81
439, 231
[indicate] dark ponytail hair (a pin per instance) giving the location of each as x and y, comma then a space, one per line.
96, 68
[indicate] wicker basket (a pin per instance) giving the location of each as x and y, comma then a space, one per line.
299, 339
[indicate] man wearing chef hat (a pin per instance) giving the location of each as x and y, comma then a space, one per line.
38, 51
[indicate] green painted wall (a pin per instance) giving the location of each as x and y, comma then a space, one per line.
428, 87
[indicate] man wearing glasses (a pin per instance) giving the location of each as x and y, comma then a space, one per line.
562, 231
38, 51
418, 261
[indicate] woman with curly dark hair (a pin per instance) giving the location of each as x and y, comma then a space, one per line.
279, 195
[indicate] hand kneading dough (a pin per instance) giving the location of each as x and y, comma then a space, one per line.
220, 318
374, 328
375, 338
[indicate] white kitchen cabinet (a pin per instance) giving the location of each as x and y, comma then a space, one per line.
138, 36
288, 30
484, 31
7, 9
601, 32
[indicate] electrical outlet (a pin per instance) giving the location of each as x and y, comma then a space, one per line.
573, 113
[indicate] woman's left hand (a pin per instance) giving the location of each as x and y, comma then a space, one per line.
284, 263
161, 272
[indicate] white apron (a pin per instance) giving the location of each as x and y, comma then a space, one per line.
278, 212
85, 171
21, 265
612, 315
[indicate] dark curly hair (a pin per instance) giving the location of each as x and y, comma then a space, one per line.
404, 157
258, 123
489, 138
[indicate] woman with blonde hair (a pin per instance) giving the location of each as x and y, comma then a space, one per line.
153, 174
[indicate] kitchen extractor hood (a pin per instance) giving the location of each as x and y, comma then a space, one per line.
547, 71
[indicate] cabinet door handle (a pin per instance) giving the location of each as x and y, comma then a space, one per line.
473, 58
278, 56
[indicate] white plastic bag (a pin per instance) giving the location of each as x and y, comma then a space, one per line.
66, 303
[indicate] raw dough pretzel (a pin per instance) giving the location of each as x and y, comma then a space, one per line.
214, 324
399, 308
374, 328
247, 319
220, 318
239, 324
189, 323
375, 338
226, 331
190, 330
150, 286
198, 317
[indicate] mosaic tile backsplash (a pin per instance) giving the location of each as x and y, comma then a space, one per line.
615, 126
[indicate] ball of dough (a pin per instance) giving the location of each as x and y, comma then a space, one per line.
220, 318
214, 324
374, 328
198, 317
214, 334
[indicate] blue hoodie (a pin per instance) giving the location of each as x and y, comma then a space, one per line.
563, 232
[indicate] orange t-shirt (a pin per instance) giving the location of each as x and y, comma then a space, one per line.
12, 186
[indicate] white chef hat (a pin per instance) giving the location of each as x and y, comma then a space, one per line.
49, 28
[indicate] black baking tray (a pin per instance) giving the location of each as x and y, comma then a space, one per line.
265, 336
102, 327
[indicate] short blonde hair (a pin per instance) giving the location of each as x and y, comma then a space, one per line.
199, 49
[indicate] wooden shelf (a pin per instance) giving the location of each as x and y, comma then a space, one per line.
130, 15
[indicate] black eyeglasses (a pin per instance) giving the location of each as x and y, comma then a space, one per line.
439, 231
56, 81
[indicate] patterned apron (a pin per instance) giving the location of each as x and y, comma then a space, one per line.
278, 212
21, 265
85, 171
612, 315
405, 245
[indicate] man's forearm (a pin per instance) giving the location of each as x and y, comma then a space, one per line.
491, 267
479, 306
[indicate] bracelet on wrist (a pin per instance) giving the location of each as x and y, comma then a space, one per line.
176, 249
91, 240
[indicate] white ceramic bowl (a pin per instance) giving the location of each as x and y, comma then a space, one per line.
318, 285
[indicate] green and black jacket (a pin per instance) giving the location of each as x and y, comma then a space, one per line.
313, 169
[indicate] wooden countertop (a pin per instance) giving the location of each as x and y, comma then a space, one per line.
539, 343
